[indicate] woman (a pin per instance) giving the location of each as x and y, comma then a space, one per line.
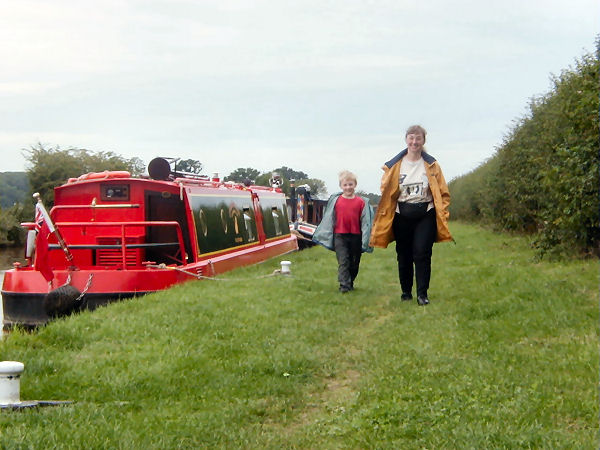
413, 211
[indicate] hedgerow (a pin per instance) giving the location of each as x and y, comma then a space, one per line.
543, 178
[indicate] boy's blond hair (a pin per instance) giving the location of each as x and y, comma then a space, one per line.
346, 175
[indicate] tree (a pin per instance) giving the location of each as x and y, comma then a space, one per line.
11, 232
14, 187
189, 166
374, 199
317, 187
50, 167
264, 179
543, 179
240, 175
291, 174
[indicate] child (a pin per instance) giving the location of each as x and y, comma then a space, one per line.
346, 228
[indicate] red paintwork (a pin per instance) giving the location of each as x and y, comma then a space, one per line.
90, 221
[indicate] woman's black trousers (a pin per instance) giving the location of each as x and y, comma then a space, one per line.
414, 242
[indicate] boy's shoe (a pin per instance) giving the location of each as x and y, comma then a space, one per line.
422, 300
406, 296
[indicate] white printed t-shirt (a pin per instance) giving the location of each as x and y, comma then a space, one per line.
414, 185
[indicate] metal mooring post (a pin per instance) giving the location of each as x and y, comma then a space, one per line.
285, 267
10, 388
10, 382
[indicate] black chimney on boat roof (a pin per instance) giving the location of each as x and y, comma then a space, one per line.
159, 169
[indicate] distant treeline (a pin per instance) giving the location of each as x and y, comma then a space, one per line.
14, 187
49, 167
543, 179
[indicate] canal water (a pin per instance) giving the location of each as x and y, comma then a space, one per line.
8, 255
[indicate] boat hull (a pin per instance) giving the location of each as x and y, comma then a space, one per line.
24, 289
110, 236
27, 310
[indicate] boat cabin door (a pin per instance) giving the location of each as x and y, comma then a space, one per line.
163, 246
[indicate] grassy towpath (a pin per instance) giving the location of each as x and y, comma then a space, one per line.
505, 356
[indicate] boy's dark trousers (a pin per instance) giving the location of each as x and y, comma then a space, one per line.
414, 243
348, 250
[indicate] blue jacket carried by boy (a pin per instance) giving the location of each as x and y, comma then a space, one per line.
323, 235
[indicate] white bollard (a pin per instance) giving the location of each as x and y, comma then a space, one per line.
10, 382
285, 267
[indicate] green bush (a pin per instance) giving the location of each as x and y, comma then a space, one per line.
543, 179
468, 192
11, 232
51, 167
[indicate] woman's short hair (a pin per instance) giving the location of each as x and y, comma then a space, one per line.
416, 129
347, 175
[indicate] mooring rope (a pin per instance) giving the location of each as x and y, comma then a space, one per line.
202, 277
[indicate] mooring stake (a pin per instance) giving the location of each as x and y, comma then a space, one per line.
285, 267
10, 388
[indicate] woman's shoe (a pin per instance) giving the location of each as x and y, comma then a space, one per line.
422, 300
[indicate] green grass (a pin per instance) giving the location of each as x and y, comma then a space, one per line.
505, 356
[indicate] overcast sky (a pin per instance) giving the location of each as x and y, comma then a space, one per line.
315, 85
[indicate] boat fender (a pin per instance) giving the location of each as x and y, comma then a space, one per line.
62, 301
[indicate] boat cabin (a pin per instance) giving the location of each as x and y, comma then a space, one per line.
112, 220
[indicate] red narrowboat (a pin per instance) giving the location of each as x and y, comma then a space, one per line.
111, 236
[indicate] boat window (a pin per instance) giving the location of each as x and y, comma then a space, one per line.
235, 215
202, 220
114, 192
224, 220
248, 224
275, 213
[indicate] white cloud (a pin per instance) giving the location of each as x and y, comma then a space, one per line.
12, 88
309, 84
